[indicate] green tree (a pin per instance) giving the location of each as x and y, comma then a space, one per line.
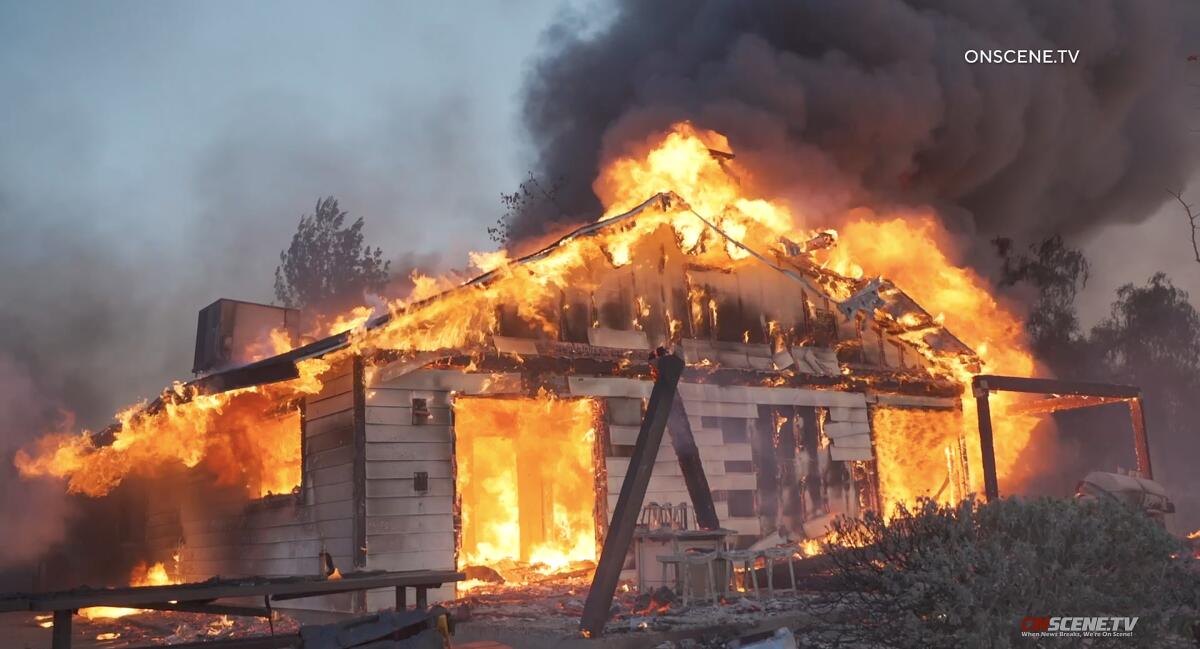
327, 264
1058, 273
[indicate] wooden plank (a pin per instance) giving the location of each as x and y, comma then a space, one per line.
399, 397
735, 451
1052, 386
862, 440
405, 468
904, 400
408, 506
410, 524
597, 606
735, 481
663, 483
324, 407
333, 511
456, 381
403, 561
848, 414
403, 488
131, 596
408, 432
624, 411
337, 421
403, 416
411, 542
719, 409
615, 338
624, 435
847, 454
334, 386
332, 475
408, 451
834, 429
609, 386
518, 346
333, 493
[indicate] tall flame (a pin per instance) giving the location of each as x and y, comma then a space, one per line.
231, 432
526, 475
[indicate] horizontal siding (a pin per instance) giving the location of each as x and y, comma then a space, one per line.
408, 506
422, 560
383, 396
402, 415
413, 523
318, 408
405, 488
405, 469
413, 451
408, 433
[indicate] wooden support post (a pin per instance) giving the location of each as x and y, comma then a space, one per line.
422, 598
61, 636
633, 491
690, 465
1141, 442
401, 598
359, 488
986, 447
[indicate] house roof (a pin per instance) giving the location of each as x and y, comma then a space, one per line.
892, 301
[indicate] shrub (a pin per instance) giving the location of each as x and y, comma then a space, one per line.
966, 575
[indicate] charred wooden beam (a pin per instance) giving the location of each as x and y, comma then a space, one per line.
633, 491
208, 607
1052, 386
1067, 392
61, 633
1141, 442
277, 641
359, 385
1055, 404
279, 588
991, 488
690, 465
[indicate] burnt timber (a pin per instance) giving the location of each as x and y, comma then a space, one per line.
197, 597
1064, 395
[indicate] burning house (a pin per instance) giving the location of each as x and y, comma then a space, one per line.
490, 422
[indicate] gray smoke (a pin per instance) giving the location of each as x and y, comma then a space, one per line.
870, 102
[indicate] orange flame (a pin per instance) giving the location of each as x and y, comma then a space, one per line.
142, 575
908, 249
707, 185
526, 475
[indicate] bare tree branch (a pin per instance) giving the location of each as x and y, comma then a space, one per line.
1192, 217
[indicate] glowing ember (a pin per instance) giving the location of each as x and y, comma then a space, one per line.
142, 575
526, 475
1194, 535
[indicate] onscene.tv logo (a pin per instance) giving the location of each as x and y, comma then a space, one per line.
1077, 627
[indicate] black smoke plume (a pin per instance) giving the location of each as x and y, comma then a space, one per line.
871, 102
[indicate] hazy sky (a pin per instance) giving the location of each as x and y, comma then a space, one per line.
156, 155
